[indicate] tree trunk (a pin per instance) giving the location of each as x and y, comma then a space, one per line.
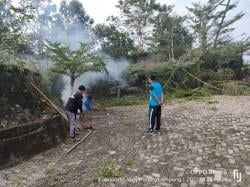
172, 44
221, 24
72, 82
118, 93
198, 66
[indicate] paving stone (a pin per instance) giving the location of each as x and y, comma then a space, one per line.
112, 152
231, 161
217, 177
192, 183
198, 159
156, 175
184, 185
192, 137
247, 169
164, 184
216, 185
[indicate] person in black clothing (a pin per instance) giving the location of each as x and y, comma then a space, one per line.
73, 105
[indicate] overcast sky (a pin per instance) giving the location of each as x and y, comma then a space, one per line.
101, 9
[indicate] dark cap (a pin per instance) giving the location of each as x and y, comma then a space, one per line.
81, 88
152, 77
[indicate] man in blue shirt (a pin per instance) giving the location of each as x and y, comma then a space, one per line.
155, 103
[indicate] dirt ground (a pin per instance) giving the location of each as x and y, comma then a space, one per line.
202, 143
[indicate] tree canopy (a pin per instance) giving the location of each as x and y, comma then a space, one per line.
74, 63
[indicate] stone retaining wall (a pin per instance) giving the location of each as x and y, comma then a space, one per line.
21, 142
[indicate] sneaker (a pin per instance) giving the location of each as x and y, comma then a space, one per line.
72, 140
151, 131
158, 131
77, 139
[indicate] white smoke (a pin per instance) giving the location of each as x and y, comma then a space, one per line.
114, 68
71, 34
72, 38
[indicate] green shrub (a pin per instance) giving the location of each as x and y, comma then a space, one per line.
53, 82
166, 73
192, 93
182, 93
102, 88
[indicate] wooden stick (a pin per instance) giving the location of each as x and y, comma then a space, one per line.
54, 106
72, 148
61, 112
201, 80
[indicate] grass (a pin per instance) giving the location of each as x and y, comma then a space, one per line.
202, 94
123, 101
14, 162
214, 109
212, 102
140, 100
125, 121
2, 125
109, 170
237, 88
130, 163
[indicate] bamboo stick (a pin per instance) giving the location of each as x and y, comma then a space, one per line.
201, 80
72, 148
54, 106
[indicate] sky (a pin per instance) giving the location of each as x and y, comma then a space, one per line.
100, 10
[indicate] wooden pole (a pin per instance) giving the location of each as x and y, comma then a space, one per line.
54, 106
72, 148
201, 80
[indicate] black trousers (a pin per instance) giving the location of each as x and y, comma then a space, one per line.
154, 115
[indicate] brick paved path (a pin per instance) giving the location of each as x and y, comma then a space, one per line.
201, 144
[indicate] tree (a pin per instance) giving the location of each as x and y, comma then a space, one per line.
222, 27
136, 16
44, 11
67, 24
74, 63
76, 24
211, 25
74, 12
117, 44
12, 20
170, 37
202, 21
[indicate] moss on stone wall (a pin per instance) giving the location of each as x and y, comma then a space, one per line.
19, 102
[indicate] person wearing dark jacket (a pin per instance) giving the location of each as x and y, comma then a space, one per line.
72, 107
